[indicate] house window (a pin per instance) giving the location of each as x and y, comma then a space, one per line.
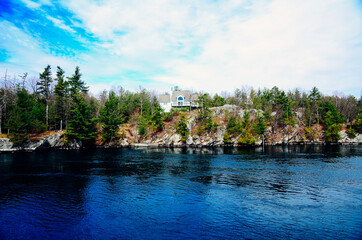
180, 100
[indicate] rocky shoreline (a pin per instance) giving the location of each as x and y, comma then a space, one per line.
56, 141
168, 138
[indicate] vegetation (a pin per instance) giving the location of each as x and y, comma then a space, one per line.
182, 129
31, 106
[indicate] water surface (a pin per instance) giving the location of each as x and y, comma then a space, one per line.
299, 192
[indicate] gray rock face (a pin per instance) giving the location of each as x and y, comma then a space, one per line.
174, 139
6, 144
345, 139
53, 141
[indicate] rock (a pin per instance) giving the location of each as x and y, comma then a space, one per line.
190, 140
6, 144
174, 139
55, 140
191, 122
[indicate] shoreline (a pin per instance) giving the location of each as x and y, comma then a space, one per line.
178, 146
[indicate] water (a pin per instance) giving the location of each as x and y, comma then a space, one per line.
297, 192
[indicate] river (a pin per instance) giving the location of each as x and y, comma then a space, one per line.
295, 192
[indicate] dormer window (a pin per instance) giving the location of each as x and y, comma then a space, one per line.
180, 100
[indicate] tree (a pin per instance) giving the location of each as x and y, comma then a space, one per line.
182, 129
314, 98
332, 122
77, 85
44, 89
61, 97
156, 118
110, 117
81, 126
25, 117
218, 101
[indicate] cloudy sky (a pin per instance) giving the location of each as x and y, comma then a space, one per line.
204, 45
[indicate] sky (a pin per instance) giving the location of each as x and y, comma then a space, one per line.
204, 45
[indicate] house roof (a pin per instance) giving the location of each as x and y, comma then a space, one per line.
175, 94
194, 97
164, 98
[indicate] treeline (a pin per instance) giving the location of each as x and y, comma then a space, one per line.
30, 106
280, 108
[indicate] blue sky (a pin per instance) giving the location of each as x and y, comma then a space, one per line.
201, 45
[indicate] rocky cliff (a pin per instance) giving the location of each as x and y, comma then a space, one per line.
289, 134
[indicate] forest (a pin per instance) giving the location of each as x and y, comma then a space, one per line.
34, 105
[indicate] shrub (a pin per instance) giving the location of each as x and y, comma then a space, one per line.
351, 132
181, 128
246, 138
309, 133
226, 138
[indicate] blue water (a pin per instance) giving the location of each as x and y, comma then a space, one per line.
310, 192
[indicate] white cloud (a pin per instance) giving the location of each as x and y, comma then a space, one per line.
291, 44
218, 45
60, 24
26, 54
31, 4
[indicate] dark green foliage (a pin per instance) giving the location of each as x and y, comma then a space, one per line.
142, 126
332, 120
226, 138
351, 132
76, 85
285, 102
25, 117
331, 133
62, 102
110, 118
156, 118
81, 125
44, 89
234, 126
246, 120
205, 101
246, 138
44, 83
182, 129
260, 126
218, 101
358, 124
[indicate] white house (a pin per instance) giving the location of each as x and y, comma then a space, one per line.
178, 99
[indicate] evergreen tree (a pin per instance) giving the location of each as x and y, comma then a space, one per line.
76, 85
156, 118
61, 97
314, 99
81, 125
182, 129
25, 117
332, 120
44, 89
110, 117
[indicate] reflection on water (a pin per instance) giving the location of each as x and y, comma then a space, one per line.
289, 192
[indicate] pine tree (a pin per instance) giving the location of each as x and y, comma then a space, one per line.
25, 116
81, 125
61, 97
182, 129
110, 117
44, 89
77, 85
